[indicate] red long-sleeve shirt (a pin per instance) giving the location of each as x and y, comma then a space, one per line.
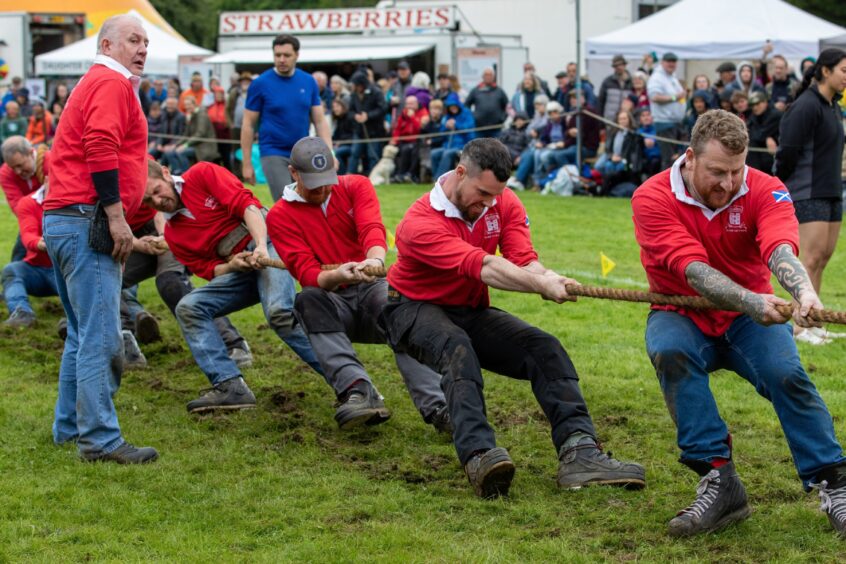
305, 237
15, 187
408, 125
216, 201
673, 230
30, 214
440, 256
102, 128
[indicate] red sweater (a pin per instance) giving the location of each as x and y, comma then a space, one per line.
737, 241
440, 258
30, 213
217, 200
102, 128
16, 187
408, 125
305, 238
141, 217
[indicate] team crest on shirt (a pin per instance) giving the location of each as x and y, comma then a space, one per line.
491, 226
735, 220
211, 202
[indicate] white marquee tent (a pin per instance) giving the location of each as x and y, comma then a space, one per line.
718, 29
162, 54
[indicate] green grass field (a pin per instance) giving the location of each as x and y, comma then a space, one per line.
282, 483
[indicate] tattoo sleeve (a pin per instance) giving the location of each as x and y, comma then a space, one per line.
723, 291
789, 271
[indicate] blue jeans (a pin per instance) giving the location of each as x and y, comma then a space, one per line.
526, 166
179, 161
606, 166
342, 153
272, 287
443, 160
21, 279
764, 356
371, 152
559, 157
88, 284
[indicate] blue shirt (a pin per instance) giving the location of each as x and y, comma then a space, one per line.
285, 105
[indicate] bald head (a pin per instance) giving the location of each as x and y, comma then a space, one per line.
123, 39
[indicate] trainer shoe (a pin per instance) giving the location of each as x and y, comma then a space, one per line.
832, 490
62, 328
241, 355
441, 421
515, 184
490, 473
133, 358
361, 404
229, 394
20, 318
584, 464
126, 454
720, 501
146, 328
811, 337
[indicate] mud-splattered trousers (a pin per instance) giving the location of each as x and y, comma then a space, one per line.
89, 284
767, 358
458, 342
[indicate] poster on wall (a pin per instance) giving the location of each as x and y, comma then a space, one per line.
37, 88
473, 60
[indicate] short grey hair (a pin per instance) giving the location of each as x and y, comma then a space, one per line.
421, 80
111, 26
15, 145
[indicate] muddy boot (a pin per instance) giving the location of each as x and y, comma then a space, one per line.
582, 463
720, 501
490, 473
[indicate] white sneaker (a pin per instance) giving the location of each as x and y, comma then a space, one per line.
811, 337
515, 184
826, 334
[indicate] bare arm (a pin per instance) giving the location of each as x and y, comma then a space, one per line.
793, 277
248, 133
535, 267
321, 126
724, 292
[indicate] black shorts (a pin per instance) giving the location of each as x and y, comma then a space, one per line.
819, 209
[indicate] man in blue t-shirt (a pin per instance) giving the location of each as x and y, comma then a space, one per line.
287, 100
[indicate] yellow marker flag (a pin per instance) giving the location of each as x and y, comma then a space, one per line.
392, 241
498, 252
607, 264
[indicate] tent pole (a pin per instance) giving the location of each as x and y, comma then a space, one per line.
578, 86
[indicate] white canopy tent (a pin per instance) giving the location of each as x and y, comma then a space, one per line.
719, 30
839, 42
162, 54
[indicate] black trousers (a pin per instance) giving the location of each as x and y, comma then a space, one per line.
408, 161
458, 342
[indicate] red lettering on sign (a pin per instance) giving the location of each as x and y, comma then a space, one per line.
309, 20
353, 20
334, 20
423, 18
371, 19
392, 17
228, 24
441, 17
285, 23
264, 23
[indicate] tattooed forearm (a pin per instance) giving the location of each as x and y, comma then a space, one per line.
720, 289
789, 271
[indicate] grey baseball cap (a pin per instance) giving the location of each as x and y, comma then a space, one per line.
314, 162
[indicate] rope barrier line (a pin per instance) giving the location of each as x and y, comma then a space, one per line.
623, 295
448, 133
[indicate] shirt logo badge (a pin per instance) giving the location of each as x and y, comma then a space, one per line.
211, 203
735, 220
492, 225
782, 196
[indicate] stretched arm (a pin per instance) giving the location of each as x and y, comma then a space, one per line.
724, 292
500, 273
793, 277
254, 221
248, 133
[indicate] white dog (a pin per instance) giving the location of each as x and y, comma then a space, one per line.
383, 170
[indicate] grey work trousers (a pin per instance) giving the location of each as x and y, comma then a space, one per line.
334, 320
